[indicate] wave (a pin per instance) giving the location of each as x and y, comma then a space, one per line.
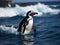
8, 29
18, 10
54, 5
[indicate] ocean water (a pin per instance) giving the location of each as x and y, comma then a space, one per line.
47, 23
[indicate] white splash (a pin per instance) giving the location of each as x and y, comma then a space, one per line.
9, 29
18, 10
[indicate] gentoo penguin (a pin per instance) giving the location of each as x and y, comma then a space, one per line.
26, 24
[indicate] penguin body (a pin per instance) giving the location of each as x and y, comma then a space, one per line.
26, 24
29, 25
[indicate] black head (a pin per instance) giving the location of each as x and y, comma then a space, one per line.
31, 13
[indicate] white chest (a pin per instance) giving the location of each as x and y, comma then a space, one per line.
29, 26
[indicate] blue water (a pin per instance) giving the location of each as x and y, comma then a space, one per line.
48, 31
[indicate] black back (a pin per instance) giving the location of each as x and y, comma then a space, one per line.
22, 24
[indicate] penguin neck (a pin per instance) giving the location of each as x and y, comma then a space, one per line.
30, 18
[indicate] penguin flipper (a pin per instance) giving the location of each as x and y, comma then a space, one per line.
24, 27
20, 26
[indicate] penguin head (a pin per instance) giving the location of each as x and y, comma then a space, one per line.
31, 13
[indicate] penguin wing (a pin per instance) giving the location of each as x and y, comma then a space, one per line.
22, 25
23, 28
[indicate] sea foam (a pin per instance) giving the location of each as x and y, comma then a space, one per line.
7, 29
18, 10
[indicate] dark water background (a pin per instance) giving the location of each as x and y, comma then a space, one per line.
48, 31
